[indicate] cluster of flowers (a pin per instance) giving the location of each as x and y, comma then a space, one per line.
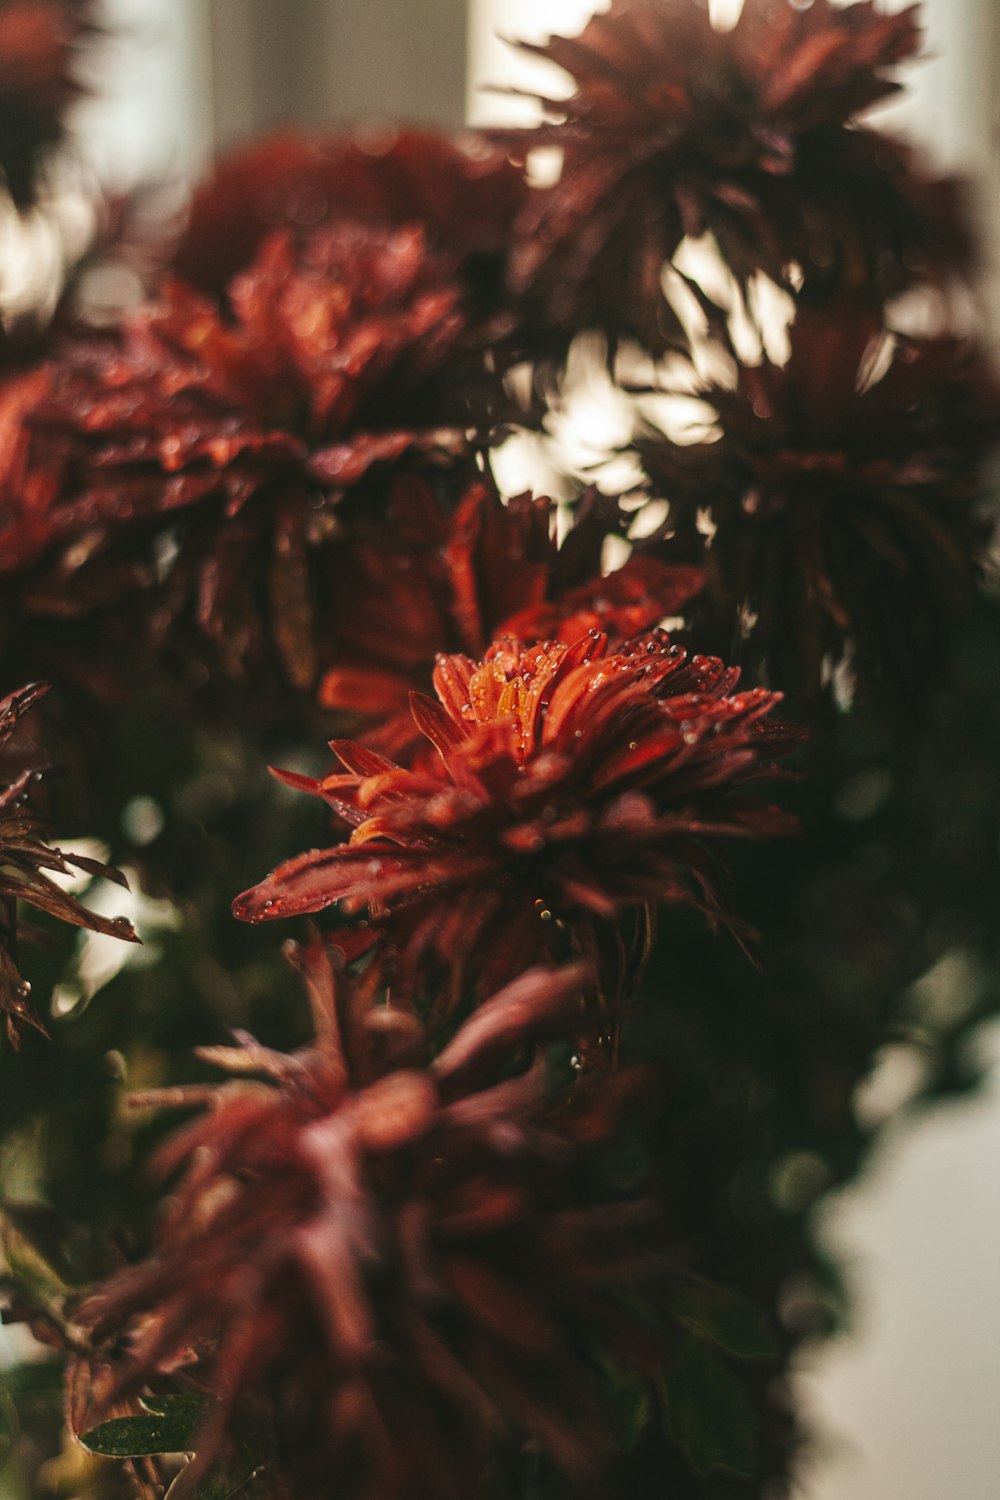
385, 1256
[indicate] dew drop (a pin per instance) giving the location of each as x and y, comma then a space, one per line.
23, 989
123, 925
633, 744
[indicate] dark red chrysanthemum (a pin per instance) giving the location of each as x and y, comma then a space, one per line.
198, 464
383, 1269
423, 583
461, 189
39, 44
676, 128
846, 496
577, 789
27, 862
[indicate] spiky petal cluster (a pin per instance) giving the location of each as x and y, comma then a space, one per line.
383, 1271
577, 789
462, 190
846, 492
39, 43
198, 461
27, 863
676, 128
423, 583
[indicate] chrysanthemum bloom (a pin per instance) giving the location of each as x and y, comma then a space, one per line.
463, 190
845, 500
39, 44
27, 861
676, 128
384, 1271
198, 464
422, 583
577, 790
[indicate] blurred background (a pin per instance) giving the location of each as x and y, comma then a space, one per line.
905, 1404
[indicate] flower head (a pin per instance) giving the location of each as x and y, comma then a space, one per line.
676, 128
199, 464
381, 1267
845, 495
462, 190
576, 790
27, 863
421, 583
39, 43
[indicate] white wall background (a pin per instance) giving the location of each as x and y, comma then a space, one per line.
151, 114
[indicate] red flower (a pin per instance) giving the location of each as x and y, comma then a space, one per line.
198, 465
462, 190
383, 1270
847, 493
576, 789
25, 858
422, 584
39, 44
676, 128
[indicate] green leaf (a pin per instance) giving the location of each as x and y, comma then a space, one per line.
23, 1389
219, 1487
8, 1423
26, 1260
33, 1378
735, 1322
627, 1399
170, 1427
708, 1412
623, 1162
215, 1489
